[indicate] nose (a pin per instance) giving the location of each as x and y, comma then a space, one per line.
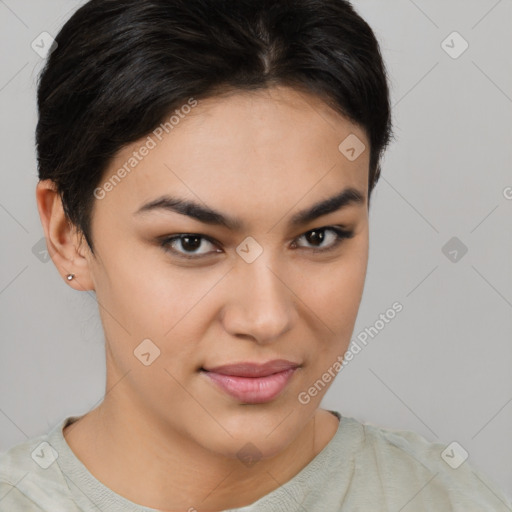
261, 305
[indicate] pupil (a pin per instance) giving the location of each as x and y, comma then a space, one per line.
315, 236
185, 241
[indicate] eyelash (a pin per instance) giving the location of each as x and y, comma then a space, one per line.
341, 234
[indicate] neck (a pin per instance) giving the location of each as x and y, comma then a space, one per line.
153, 465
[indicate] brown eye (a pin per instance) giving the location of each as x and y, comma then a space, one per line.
317, 237
189, 243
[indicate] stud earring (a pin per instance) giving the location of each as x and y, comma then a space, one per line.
70, 276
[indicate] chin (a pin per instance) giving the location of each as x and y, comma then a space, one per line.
258, 432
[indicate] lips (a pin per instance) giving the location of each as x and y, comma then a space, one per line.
248, 369
252, 383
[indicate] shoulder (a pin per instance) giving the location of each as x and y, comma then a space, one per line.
439, 474
31, 479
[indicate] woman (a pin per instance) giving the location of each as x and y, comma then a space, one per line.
206, 169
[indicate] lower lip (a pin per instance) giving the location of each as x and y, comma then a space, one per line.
253, 390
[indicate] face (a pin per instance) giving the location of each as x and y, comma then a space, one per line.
262, 289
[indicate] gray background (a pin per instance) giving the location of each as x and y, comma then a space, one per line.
442, 366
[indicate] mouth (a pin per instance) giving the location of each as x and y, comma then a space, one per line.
252, 383
253, 369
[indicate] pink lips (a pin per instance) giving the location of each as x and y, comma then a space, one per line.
253, 383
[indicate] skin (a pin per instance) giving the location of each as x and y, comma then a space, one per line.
164, 436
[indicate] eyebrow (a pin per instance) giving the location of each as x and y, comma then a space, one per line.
348, 196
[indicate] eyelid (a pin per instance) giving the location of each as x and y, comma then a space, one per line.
342, 233
165, 242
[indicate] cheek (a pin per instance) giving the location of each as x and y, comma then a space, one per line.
332, 311
332, 296
334, 292
146, 295
153, 313
171, 307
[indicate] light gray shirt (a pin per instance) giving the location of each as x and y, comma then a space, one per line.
363, 468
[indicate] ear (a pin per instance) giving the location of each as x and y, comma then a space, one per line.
69, 255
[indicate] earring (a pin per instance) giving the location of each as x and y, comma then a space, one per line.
70, 276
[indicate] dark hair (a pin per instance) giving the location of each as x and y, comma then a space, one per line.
121, 66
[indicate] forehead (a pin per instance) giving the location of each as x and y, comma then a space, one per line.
276, 143
248, 120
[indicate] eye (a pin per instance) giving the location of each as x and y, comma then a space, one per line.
189, 242
187, 245
317, 237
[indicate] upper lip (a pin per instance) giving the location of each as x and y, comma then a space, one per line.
249, 369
